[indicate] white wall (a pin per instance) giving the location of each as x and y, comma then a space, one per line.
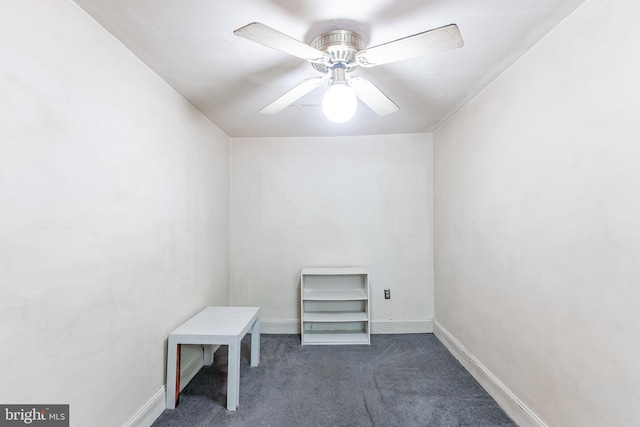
537, 224
114, 197
312, 202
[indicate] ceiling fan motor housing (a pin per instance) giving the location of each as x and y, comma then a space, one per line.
341, 45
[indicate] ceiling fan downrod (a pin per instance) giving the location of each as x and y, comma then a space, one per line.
338, 74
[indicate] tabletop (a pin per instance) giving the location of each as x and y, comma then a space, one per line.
221, 321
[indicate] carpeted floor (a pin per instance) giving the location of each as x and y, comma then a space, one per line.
397, 381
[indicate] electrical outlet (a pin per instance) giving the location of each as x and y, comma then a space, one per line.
387, 294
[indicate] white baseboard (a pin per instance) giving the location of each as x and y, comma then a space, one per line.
149, 412
190, 367
153, 408
401, 326
377, 327
509, 402
279, 326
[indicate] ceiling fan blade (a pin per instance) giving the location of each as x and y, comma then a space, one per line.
293, 95
436, 40
274, 39
372, 96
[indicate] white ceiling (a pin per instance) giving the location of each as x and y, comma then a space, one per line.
191, 45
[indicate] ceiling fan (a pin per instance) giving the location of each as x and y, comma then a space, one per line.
336, 54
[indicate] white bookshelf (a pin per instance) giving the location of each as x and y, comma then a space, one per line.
334, 306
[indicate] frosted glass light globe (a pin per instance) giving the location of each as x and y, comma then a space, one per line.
339, 103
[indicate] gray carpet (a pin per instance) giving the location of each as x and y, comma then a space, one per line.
399, 380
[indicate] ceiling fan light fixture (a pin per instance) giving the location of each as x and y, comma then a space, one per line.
339, 103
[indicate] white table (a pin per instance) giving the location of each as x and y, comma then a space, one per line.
214, 325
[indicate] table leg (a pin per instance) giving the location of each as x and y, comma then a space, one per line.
173, 374
208, 355
233, 376
178, 353
255, 343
